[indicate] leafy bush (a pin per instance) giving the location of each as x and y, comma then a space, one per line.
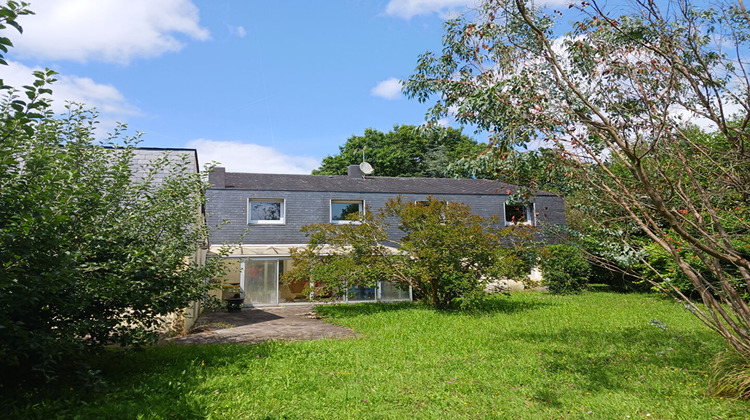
663, 273
564, 269
92, 251
514, 260
617, 281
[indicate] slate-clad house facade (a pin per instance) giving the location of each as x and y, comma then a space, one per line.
263, 215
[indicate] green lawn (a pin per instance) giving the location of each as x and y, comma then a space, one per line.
532, 355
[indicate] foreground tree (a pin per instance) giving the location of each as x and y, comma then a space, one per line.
611, 98
530, 170
405, 151
445, 252
91, 252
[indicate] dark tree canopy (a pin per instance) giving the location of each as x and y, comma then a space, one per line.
407, 151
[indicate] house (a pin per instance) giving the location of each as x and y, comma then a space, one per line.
141, 164
263, 215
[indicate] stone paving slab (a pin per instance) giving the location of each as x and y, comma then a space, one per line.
255, 325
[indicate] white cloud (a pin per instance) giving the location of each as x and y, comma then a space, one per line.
446, 9
684, 115
444, 122
388, 89
237, 31
109, 102
111, 31
252, 158
407, 9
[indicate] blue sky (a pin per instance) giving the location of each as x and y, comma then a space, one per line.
259, 86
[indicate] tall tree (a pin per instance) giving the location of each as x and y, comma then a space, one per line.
610, 98
405, 151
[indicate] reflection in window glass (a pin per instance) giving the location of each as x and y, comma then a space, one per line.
342, 210
298, 291
260, 282
390, 291
519, 214
361, 293
266, 211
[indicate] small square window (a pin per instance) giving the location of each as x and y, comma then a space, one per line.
519, 214
341, 211
265, 211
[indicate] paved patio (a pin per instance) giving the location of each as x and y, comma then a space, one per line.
255, 325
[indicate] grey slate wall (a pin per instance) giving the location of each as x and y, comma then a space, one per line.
304, 208
143, 158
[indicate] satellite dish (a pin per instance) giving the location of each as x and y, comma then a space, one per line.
366, 168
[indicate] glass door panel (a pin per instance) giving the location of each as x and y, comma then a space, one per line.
261, 280
360, 293
298, 291
389, 292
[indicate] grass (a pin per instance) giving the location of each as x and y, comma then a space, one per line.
534, 355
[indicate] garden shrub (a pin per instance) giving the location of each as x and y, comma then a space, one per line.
617, 281
662, 270
564, 269
667, 271
512, 264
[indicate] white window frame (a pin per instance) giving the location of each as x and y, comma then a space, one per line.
251, 221
344, 222
530, 214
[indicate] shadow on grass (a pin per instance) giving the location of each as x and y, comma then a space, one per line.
499, 304
606, 359
150, 379
493, 305
548, 398
155, 382
344, 310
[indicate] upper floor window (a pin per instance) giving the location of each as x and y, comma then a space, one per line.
342, 210
519, 214
265, 211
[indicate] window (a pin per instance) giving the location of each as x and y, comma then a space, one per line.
519, 214
361, 293
429, 202
341, 211
426, 203
391, 291
264, 211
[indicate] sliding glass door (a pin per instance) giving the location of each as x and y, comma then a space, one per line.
261, 280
